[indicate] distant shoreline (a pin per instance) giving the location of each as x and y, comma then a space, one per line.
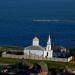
53, 20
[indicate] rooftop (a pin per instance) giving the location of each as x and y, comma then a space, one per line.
34, 48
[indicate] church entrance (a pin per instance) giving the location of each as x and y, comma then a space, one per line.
47, 54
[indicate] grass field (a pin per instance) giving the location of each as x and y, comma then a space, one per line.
51, 64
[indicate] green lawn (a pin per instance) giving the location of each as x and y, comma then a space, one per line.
8, 60
51, 64
54, 64
11, 47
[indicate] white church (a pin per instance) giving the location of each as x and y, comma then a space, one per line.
36, 49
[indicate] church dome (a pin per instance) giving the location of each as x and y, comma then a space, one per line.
35, 39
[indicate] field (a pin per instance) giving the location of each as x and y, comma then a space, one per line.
51, 64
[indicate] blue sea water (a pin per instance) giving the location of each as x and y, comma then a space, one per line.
17, 28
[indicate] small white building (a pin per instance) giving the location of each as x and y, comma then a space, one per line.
36, 49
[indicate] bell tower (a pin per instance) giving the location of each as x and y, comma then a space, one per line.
48, 47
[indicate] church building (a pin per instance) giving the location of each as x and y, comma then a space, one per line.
37, 50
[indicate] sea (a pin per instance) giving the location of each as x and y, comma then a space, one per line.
18, 28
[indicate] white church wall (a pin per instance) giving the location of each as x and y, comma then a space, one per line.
26, 52
36, 52
45, 53
48, 54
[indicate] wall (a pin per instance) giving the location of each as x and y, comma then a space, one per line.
48, 53
34, 52
59, 54
26, 52
36, 57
